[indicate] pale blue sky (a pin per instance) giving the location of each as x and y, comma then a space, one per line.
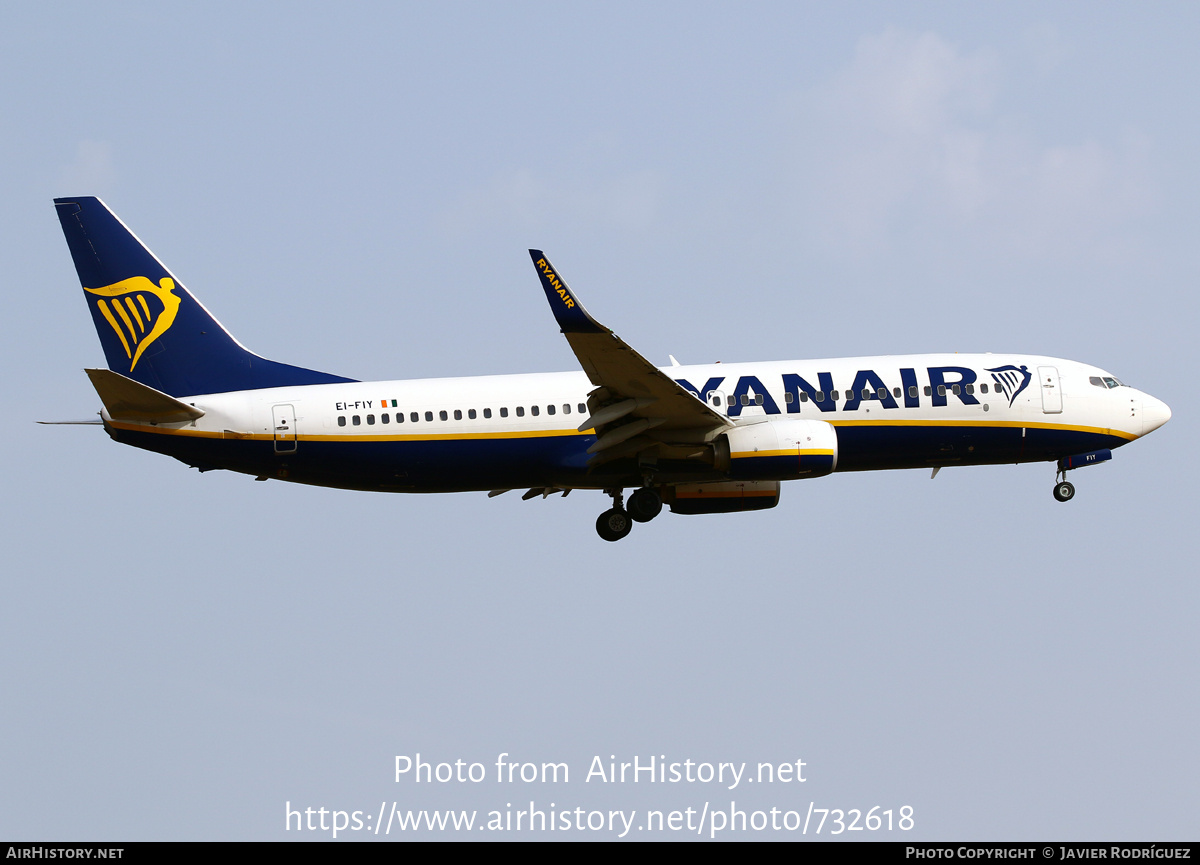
354, 191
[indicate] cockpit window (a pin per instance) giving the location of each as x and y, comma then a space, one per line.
1106, 381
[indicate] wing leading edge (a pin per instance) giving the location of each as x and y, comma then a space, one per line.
635, 405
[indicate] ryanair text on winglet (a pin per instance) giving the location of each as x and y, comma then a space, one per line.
555, 283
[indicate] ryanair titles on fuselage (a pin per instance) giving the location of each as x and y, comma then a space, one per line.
944, 382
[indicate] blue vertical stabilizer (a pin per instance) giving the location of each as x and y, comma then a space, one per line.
152, 329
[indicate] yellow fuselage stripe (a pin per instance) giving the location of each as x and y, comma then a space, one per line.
188, 431
999, 424
518, 434
790, 452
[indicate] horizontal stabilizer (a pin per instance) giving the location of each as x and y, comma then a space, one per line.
126, 399
95, 421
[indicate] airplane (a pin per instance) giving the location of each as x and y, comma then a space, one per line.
700, 439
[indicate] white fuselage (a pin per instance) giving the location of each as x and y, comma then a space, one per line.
889, 412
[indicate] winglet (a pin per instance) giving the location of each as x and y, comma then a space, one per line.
568, 311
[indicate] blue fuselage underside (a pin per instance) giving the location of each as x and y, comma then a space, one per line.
464, 464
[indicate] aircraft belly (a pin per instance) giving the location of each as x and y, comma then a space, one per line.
452, 465
455, 464
867, 448
472, 464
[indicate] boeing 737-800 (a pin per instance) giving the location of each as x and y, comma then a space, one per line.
704, 439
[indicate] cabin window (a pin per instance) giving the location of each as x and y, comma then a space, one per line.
789, 397
929, 391
566, 408
716, 401
941, 390
341, 420
471, 414
458, 414
956, 389
912, 391
866, 393
803, 396
731, 401
504, 412
881, 393
533, 410
487, 412
582, 408
414, 417
520, 411
550, 409
442, 414
758, 399
896, 392
970, 388
745, 399
983, 388
356, 420
399, 417
820, 397
835, 395
385, 418
429, 416
370, 420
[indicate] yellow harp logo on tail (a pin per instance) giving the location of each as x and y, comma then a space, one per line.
138, 311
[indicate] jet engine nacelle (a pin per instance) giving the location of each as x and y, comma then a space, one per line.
778, 450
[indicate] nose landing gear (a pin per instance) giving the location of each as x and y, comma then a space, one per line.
1064, 491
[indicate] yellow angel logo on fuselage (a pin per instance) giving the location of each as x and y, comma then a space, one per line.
130, 316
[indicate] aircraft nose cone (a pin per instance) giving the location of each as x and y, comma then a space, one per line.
1155, 413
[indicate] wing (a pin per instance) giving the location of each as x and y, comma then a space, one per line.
635, 404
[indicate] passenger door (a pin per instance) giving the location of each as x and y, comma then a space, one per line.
1051, 392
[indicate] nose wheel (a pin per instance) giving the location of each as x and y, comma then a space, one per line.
1064, 490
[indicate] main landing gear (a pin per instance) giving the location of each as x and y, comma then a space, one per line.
644, 505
